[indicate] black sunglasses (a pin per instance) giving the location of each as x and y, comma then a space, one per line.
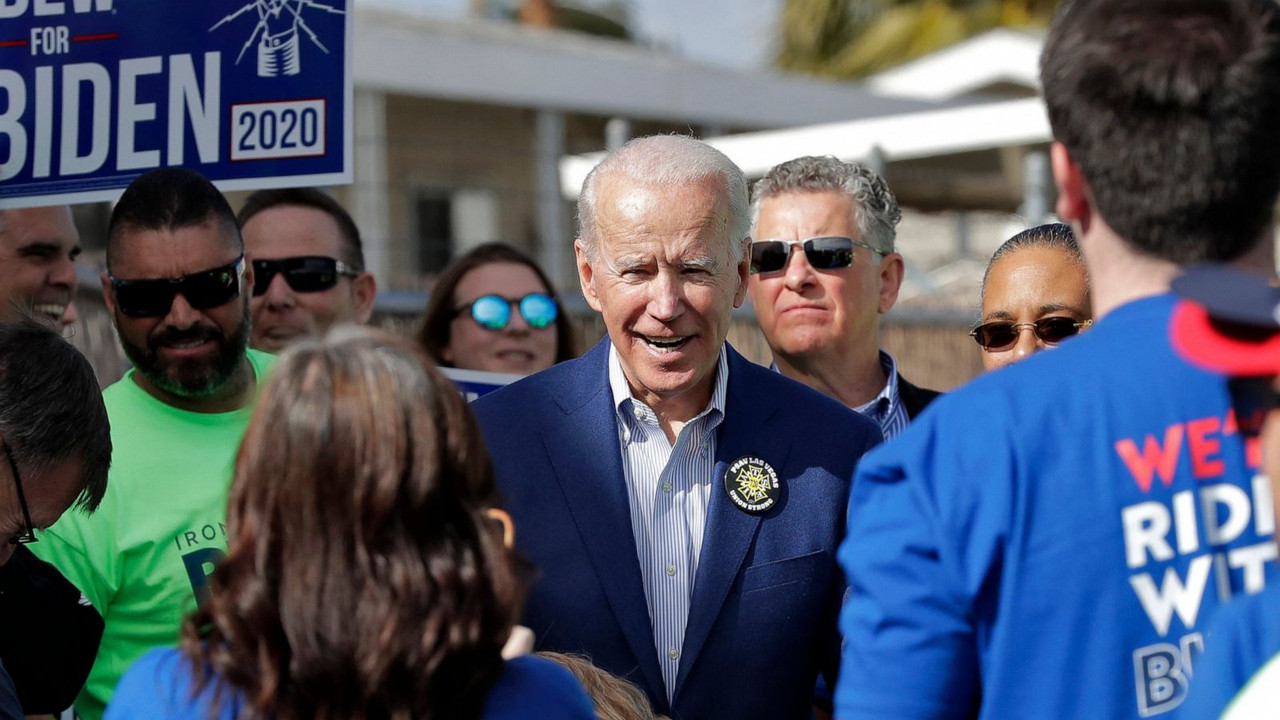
1251, 399
823, 253
202, 290
28, 534
493, 312
1001, 334
306, 274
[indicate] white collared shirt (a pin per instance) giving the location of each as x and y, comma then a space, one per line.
669, 488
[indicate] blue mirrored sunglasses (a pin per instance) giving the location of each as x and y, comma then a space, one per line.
493, 312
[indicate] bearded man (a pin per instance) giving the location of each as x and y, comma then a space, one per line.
177, 286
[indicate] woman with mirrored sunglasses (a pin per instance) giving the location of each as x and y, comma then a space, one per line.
493, 309
1035, 294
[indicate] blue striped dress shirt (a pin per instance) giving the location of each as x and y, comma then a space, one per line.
886, 409
668, 487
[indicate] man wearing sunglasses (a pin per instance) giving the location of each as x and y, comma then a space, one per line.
56, 447
308, 266
38, 248
177, 286
683, 504
823, 271
1050, 540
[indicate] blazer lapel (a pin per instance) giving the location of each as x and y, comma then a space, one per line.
588, 466
729, 531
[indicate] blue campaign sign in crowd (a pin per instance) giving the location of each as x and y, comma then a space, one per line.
252, 93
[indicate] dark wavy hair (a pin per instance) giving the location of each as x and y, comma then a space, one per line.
362, 579
433, 334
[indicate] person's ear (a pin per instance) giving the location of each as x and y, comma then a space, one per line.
365, 289
586, 275
892, 271
248, 274
108, 297
1075, 201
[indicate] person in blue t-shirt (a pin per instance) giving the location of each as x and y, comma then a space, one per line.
364, 576
1049, 540
1232, 325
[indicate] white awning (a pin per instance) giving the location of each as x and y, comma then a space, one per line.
897, 137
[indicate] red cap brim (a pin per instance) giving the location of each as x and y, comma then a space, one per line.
1201, 342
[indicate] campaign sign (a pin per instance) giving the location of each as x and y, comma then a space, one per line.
475, 383
93, 93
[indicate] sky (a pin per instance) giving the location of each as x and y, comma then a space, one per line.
733, 33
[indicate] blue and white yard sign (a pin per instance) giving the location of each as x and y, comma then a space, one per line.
475, 384
93, 93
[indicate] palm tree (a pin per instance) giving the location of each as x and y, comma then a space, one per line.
853, 38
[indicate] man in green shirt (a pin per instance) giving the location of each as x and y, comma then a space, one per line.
177, 287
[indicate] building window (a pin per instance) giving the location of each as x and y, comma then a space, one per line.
435, 232
451, 222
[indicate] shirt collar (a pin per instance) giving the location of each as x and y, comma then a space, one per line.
882, 405
622, 396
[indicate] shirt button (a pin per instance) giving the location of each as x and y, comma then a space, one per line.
666, 487
637, 412
671, 570
673, 653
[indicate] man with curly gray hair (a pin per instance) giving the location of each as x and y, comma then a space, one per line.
820, 307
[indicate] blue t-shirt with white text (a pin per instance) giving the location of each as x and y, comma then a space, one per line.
1049, 540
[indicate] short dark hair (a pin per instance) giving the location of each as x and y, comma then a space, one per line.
434, 332
170, 199
310, 198
51, 408
1169, 109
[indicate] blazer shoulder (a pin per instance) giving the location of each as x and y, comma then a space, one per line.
914, 398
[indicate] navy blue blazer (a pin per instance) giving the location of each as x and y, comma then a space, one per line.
767, 592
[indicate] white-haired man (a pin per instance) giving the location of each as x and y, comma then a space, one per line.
620, 463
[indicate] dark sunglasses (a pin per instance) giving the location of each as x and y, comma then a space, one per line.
1002, 334
823, 253
202, 290
28, 534
303, 274
1251, 399
493, 312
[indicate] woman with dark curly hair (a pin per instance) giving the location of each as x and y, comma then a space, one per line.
363, 578
493, 309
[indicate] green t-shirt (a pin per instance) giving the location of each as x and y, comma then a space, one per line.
143, 559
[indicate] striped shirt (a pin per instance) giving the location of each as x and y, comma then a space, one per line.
886, 409
668, 488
